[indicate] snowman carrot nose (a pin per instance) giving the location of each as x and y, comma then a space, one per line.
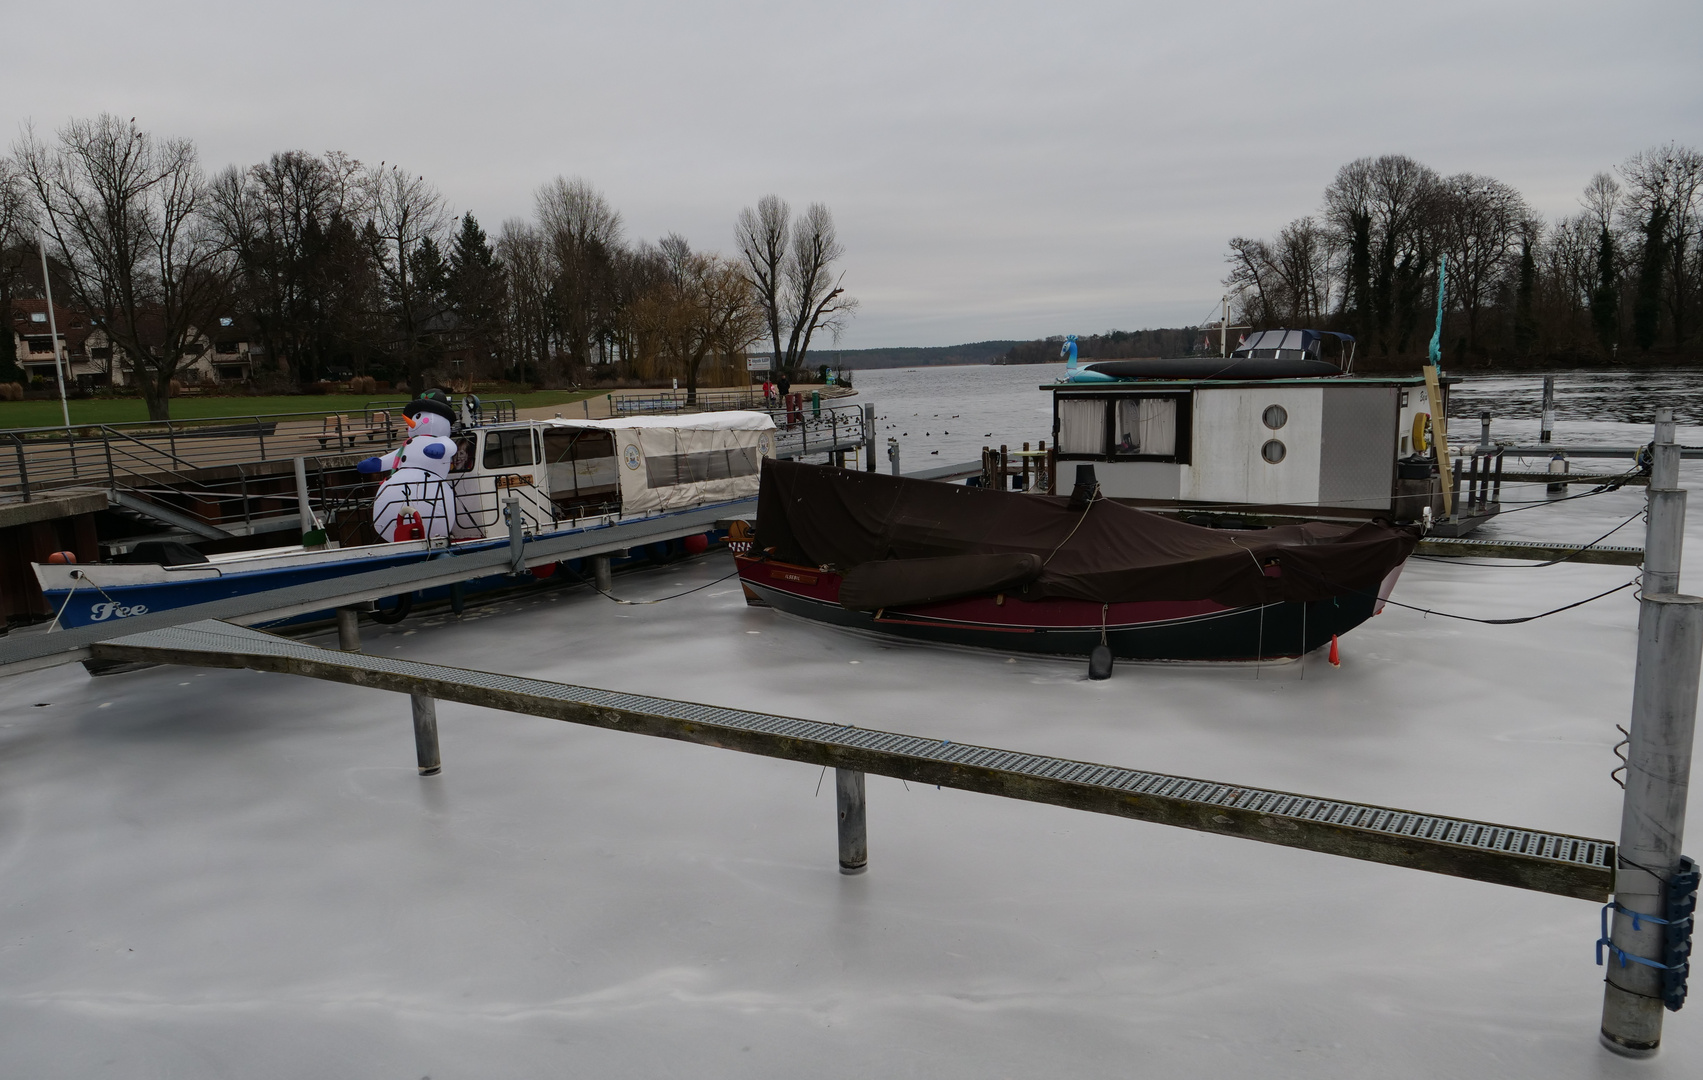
410, 421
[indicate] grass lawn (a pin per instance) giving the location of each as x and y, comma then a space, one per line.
26, 414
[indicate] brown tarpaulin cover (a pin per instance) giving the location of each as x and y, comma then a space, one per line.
817, 515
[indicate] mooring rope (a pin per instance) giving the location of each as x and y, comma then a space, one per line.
1467, 618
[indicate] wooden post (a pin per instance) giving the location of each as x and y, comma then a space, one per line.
1004, 468
854, 834
1025, 466
1043, 470
869, 438
1440, 435
426, 734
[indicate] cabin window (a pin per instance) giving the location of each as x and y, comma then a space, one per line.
464, 455
1124, 427
668, 470
505, 449
1082, 425
1145, 426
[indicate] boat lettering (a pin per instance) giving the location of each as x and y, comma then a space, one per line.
113, 609
788, 575
514, 480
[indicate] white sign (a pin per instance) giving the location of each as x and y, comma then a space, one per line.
757, 363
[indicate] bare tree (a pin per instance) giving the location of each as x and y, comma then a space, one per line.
1663, 189
1388, 200
405, 215
17, 228
126, 214
280, 218
1481, 222
530, 273
704, 306
1288, 282
584, 236
790, 267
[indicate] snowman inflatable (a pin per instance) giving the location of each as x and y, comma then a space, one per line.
417, 501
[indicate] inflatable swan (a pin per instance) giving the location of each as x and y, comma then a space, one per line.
418, 484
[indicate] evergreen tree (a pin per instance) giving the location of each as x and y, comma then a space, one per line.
1525, 323
1605, 298
474, 291
1647, 306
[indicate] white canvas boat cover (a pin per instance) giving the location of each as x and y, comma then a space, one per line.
677, 462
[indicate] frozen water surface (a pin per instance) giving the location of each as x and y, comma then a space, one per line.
235, 874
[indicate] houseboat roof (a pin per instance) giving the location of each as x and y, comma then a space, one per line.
1141, 385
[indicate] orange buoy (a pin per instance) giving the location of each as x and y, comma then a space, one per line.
62, 557
544, 571
696, 544
1335, 659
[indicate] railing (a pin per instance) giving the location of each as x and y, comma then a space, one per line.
817, 430
33, 460
673, 401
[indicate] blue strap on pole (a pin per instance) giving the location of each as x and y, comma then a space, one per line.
1621, 954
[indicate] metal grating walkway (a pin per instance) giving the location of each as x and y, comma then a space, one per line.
1524, 858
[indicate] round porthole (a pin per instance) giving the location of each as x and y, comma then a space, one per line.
1273, 451
1275, 416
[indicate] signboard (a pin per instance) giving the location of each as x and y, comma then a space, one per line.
757, 363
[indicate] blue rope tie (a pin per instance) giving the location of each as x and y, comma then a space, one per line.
1638, 917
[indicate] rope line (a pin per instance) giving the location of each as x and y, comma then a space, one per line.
1469, 618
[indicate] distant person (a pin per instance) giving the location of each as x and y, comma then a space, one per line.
768, 391
785, 387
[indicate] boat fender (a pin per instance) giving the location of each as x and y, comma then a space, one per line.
1421, 432
62, 557
1335, 657
1100, 663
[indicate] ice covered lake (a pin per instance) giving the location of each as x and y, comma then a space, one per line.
235, 874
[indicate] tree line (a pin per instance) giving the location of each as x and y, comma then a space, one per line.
1625, 271
332, 268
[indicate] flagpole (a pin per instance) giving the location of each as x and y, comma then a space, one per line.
53, 328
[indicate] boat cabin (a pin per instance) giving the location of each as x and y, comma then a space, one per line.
1308, 447
1296, 345
565, 471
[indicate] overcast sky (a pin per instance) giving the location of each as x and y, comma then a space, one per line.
996, 169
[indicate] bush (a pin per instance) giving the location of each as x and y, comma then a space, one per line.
11, 391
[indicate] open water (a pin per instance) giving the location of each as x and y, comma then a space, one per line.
234, 874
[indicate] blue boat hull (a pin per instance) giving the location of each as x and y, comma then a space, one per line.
88, 605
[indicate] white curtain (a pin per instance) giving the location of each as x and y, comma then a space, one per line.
1146, 426
1081, 425
1159, 426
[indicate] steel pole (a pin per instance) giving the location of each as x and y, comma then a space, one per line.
1546, 425
1665, 534
1658, 765
426, 734
348, 629
854, 833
